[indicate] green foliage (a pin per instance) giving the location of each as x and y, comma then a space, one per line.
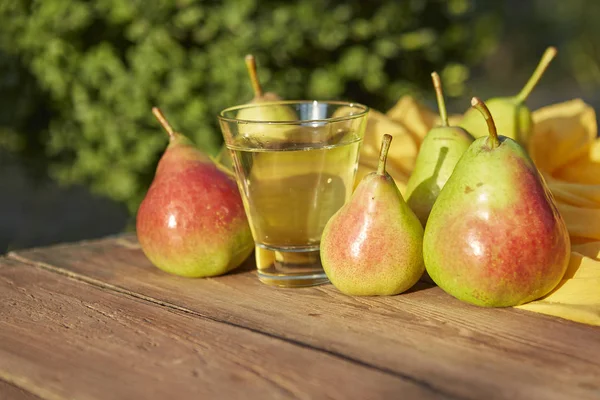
574, 26
79, 78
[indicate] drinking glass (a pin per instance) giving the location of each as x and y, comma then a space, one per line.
295, 163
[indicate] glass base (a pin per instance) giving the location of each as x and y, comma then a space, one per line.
290, 269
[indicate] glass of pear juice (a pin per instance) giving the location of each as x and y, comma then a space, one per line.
295, 164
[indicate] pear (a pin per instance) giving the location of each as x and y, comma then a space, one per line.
373, 244
440, 151
263, 110
495, 237
251, 134
192, 221
224, 160
512, 116
275, 113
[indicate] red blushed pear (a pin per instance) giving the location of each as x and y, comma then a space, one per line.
494, 236
373, 244
192, 221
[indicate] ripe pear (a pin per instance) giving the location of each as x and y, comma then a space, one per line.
495, 237
259, 95
373, 244
440, 151
512, 116
264, 111
192, 221
263, 133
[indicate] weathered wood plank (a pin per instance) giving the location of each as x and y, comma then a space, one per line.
10, 392
452, 347
64, 339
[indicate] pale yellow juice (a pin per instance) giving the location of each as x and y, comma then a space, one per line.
291, 190
295, 164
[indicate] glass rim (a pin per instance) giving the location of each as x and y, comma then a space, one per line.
363, 111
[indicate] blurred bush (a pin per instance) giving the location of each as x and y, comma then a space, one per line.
573, 27
78, 78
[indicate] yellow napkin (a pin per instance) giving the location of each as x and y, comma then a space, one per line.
566, 150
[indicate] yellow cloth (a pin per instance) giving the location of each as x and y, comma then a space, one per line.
565, 148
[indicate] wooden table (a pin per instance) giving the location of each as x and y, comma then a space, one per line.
95, 320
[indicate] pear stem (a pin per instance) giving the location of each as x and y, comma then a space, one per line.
163, 121
548, 56
493, 133
251, 66
439, 93
385, 146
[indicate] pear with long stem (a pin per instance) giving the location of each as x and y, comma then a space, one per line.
373, 244
266, 113
192, 221
512, 116
257, 111
440, 151
259, 94
494, 236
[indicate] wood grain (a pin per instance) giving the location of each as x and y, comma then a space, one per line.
63, 339
9, 391
424, 336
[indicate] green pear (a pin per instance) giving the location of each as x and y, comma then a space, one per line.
265, 107
440, 151
192, 221
495, 237
259, 135
373, 244
224, 160
512, 116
